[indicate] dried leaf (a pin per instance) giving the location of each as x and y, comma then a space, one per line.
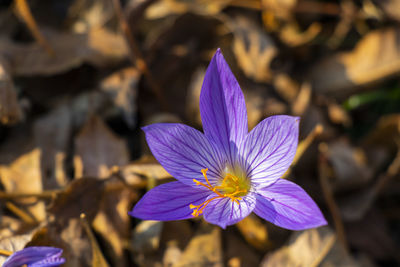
385, 133
13, 243
291, 35
122, 87
112, 221
24, 176
98, 47
139, 174
238, 252
80, 196
306, 248
254, 232
173, 7
98, 149
375, 58
390, 7
146, 236
53, 134
71, 237
204, 249
10, 111
350, 166
253, 48
87, 14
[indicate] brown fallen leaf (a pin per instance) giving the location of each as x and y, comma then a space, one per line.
98, 259
122, 87
372, 235
172, 7
146, 243
98, 149
204, 249
98, 47
276, 12
286, 87
172, 254
292, 36
254, 50
53, 133
237, 252
10, 111
338, 115
70, 236
390, 7
254, 232
349, 166
302, 101
81, 196
146, 236
337, 256
112, 221
376, 57
385, 134
84, 15
305, 248
141, 174
24, 176
13, 243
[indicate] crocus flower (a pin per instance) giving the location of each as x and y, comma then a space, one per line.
227, 172
35, 257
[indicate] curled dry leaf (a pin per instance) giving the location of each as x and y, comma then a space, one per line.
386, 133
122, 88
53, 134
253, 48
70, 236
375, 58
390, 7
292, 36
139, 174
80, 196
98, 149
88, 14
204, 249
237, 252
98, 47
112, 221
13, 243
287, 88
146, 236
254, 232
10, 111
173, 7
349, 165
24, 176
305, 248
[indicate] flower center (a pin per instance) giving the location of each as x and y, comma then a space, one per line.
232, 186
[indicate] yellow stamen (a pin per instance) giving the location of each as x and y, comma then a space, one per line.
231, 187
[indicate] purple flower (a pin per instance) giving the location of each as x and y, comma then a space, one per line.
227, 172
35, 257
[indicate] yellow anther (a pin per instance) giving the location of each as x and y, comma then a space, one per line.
231, 187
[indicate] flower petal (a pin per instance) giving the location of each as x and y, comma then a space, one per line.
169, 202
35, 256
183, 152
269, 149
224, 211
222, 106
287, 205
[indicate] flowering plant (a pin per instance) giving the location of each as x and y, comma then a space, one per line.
227, 172
35, 257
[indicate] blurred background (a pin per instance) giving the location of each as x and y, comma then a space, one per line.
78, 78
